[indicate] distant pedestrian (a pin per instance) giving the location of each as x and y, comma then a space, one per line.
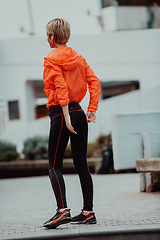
107, 165
66, 76
150, 17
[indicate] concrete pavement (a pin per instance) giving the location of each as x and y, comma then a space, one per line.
122, 211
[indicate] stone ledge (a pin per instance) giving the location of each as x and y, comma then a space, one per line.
148, 165
41, 164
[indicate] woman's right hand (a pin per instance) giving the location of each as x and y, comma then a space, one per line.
68, 124
68, 119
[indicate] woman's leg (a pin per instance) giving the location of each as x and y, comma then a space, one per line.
58, 139
79, 152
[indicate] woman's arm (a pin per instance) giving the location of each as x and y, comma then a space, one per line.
67, 119
94, 90
94, 87
55, 82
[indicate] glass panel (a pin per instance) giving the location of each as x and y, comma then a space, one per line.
13, 108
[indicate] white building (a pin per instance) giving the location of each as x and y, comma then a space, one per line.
115, 56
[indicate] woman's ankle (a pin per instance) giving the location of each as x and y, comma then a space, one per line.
62, 209
84, 212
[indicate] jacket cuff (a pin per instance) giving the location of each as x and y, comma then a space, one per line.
91, 109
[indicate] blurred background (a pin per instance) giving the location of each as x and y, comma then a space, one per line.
120, 41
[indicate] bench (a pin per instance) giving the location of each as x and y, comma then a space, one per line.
149, 169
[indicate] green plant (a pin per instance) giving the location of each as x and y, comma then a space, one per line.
102, 139
68, 152
36, 148
8, 151
90, 150
96, 148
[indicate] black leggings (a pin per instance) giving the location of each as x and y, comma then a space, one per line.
58, 140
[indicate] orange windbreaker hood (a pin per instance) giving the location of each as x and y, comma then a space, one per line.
65, 57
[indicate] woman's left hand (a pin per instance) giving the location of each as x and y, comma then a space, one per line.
91, 117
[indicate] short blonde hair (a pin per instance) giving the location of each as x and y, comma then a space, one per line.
60, 28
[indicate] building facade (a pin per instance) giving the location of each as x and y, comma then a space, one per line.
124, 61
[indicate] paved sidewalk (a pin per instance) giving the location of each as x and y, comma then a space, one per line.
121, 209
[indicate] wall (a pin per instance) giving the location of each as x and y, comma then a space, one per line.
27, 20
24, 16
123, 55
151, 144
113, 56
128, 131
2, 115
137, 101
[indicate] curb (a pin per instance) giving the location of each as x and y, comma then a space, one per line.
147, 232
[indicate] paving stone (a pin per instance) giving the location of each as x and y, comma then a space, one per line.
25, 203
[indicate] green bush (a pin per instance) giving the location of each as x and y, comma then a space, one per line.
36, 148
101, 143
68, 151
8, 151
8, 156
6, 146
102, 139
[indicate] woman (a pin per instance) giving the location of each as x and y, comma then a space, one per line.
66, 76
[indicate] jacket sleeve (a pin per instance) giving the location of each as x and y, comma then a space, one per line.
54, 80
94, 87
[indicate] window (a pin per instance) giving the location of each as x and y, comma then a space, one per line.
114, 88
41, 111
13, 107
107, 3
36, 100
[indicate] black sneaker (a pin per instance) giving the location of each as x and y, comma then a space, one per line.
81, 218
58, 219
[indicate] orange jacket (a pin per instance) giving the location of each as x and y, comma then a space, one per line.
66, 76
